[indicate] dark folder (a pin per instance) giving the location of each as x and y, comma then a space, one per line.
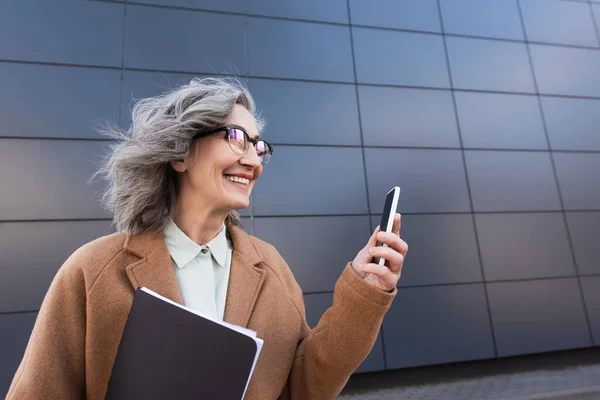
169, 352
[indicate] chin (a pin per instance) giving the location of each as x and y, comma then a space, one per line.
239, 204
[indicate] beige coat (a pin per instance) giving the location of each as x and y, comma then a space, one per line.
75, 338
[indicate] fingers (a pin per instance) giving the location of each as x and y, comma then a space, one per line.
382, 272
397, 224
394, 258
393, 241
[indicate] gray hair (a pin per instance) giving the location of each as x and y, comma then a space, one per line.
142, 186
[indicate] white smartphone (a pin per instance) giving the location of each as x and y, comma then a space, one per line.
389, 211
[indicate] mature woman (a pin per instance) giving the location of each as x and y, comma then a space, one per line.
175, 181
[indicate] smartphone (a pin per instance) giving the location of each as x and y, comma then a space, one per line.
389, 211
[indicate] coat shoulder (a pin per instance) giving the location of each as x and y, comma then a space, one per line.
91, 258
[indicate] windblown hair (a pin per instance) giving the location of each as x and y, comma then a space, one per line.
142, 186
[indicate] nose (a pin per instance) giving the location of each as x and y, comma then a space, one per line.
251, 158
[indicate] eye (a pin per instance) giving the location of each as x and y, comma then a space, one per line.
237, 135
261, 147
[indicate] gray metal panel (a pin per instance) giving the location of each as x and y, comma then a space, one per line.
592, 300
329, 11
412, 123
500, 121
32, 252
375, 360
495, 18
441, 249
489, 65
585, 231
431, 180
15, 330
317, 304
47, 179
306, 244
401, 14
306, 112
62, 31
537, 316
502, 181
247, 225
572, 124
565, 22
58, 102
524, 246
578, 76
312, 180
578, 179
187, 41
399, 58
434, 325
301, 50
237, 6
140, 84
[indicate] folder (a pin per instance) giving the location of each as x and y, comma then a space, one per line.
169, 351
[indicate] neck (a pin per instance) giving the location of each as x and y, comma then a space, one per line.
201, 224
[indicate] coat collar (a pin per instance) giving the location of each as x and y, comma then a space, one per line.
154, 270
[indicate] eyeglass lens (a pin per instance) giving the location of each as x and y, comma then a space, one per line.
238, 140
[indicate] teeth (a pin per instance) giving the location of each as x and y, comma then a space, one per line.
237, 179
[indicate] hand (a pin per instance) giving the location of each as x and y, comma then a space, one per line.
384, 277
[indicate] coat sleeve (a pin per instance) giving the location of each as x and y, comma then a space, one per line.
328, 354
53, 366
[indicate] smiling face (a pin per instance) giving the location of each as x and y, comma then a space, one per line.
213, 177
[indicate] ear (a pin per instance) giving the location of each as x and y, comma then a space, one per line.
179, 166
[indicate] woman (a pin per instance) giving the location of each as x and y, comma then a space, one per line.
190, 160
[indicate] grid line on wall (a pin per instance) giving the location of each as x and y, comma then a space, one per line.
362, 146
595, 22
123, 38
406, 287
504, 212
323, 145
582, 1
555, 174
468, 184
12, 221
494, 281
18, 312
342, 24
247, 75
271, 78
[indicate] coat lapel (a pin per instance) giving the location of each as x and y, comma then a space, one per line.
245, 278
155, 269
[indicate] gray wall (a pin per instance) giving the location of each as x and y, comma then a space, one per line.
486, 113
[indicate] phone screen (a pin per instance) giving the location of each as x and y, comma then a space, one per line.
389, 199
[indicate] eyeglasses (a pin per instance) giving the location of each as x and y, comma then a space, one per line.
239, 142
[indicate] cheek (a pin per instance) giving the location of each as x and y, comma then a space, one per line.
258, 173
